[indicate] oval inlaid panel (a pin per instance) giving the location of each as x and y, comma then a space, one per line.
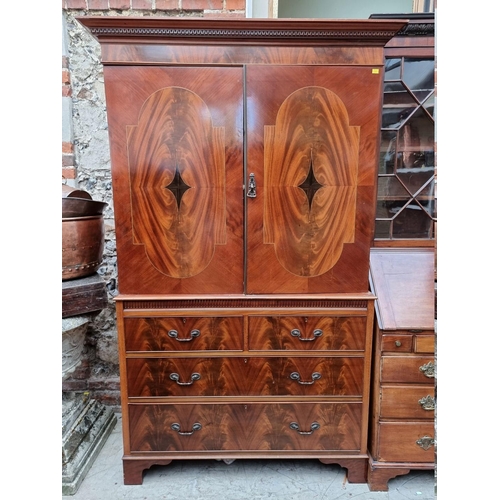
311, 166
176, 167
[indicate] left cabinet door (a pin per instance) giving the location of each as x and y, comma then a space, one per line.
176, 138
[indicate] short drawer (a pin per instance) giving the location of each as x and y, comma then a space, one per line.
238, 376
245, 426
425, 343
411, 402
326, 333
406, 442
183, 334
407, 369
397, 342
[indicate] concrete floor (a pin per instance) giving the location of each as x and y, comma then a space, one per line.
240, 480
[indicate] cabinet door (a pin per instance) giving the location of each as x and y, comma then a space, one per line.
312, 147
176, 152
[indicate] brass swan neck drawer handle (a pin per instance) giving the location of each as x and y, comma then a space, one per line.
314, 427
316, 333
177, 428
175, 335
296, 376
176, 378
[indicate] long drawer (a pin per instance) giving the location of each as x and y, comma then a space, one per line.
412, 402
240, 376
251, 426
406, 442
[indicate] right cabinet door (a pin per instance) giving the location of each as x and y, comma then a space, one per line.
311, 147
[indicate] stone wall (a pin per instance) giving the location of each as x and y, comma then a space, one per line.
86, 158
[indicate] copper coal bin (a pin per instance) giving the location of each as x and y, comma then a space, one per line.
82, 233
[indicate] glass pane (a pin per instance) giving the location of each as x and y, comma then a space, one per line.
388, 209
412, 222
387, 151
429, 104
390, 188
396, 94
393, 69
415, 178
415, 141
395, 116
418, 74
382, 229
426, 199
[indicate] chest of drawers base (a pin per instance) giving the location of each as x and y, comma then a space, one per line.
240, 378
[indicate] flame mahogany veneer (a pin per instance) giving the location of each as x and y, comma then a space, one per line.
244, 164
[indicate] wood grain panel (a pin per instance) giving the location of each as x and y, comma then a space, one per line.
242, 427
312, 140
288, 112
152, 334
244, 377
275, 333
175, 142
177, 122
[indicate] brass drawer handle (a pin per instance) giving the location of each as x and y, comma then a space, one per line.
428, 403
314, 427
177, 428
175, 377
398, 343
296, 376
425, 442
316, 333
428, 369
175, 335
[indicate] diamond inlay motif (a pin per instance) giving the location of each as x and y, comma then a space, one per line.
311, 185
178, 187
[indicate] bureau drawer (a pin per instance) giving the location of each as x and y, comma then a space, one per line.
250, 426
425, 343
183, 334
238, 376
412, 402
408, 369
397, 342
406, 442
326, 333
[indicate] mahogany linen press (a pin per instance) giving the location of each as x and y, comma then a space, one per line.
244, 165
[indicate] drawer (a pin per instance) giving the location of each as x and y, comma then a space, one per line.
406, 442
238, 376
425, 343
245, 426
411, 402
325, 333
183, 334
397, 342
408, 369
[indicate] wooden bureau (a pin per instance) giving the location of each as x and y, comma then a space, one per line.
244, 167
403, 383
